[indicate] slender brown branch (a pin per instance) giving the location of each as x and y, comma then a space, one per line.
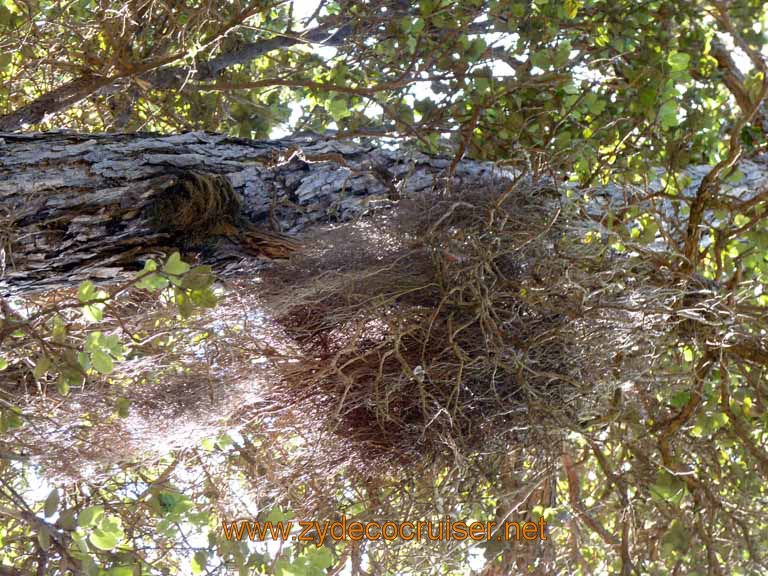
575, 500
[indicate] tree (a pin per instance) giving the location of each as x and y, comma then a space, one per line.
131, 189
534, 292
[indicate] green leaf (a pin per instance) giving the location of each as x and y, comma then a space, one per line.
668, 114
517, 10
679, 60
183, 303
121, 571
44, 538
541, 59
735, 177
562, 54
321, 558
596, 105
680, 399
677, 537
102, 362
203, 298
712, 422
3, 364
339, 109
9, 419
91, 568
122, 407
42, 366
108, 534
90, 516
51, 503
58, 330
276, 515
224, 441
86, 291
93, 312
199, 560
166, 500
93, 341
113, 345
283, 567
149, 266
79, 539
67, 520
182, 505
476, 49
104, 540
646, 97
199, 278
175, 265
5, 60
668, 488
650, 228
151, 281
572, 8
64, 382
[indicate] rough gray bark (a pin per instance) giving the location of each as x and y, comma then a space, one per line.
74, 206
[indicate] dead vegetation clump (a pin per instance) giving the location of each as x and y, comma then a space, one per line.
449, 327
197, 205
201, 213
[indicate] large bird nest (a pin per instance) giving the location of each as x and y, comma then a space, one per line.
451, 326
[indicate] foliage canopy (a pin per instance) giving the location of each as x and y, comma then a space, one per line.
648, 117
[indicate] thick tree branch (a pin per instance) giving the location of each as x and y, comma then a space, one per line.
158, 75
91, 214
732, 76
56, 101
252, 50
709, 183
742, 430
724, 18
574, 494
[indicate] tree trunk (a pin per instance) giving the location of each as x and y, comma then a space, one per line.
94, 206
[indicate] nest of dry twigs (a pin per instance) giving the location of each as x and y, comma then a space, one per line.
447, 327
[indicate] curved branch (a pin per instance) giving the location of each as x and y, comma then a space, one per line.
158, 76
